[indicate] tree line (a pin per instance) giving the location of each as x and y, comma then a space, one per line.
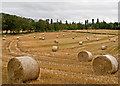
16, 24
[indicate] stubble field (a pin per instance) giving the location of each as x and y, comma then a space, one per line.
63, 66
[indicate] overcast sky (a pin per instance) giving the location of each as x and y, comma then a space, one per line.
71, 10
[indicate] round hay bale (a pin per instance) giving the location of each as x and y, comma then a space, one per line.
57, 36
94, 35
40, 38
87, 38
114, 40
54, 48
43, 35
105, 64
97, 39
103, 47
73, 37
43, 38
76, 36
34, 36
18, 38
80, 43
4, 38
85, 56
21, 69
56, 41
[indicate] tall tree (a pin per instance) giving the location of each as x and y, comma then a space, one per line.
51, 21
92, 21
97, 20
66, 22
60, 21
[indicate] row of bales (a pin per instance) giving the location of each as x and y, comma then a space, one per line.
26, 68
102, 64
43, 38
57, 41
21, 69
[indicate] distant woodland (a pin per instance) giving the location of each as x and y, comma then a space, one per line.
16, 24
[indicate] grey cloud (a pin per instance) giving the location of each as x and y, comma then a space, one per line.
72, 11
60, 1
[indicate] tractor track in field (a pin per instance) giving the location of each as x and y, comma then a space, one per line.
11, 44
64, 65
91, 43
61, 70
79, 47
43, 57
76, 77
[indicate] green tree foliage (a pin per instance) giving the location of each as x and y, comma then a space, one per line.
15, 24
80, 26
51, 21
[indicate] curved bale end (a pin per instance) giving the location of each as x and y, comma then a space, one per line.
73, 37
21, 69
114, 40
87, 38
57, 36
105, 64
103, 48
40, 38
80, 43
43, 38
54, 48
56, 41
4, 38
18, 38
97, 39
85, 56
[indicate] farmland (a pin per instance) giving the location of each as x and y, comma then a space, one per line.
63, 66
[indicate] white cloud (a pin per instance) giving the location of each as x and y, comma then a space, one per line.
72, 10
60, 0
